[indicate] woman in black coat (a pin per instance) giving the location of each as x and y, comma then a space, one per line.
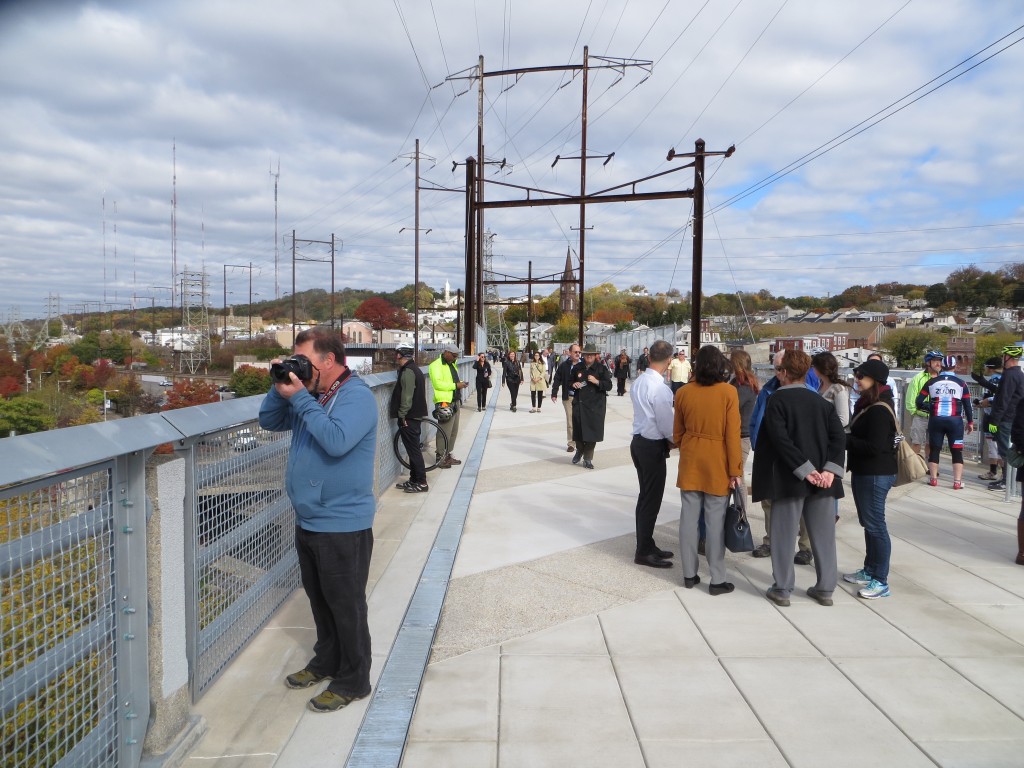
592, 381
512, 374
798, 463
871, 457
483, 380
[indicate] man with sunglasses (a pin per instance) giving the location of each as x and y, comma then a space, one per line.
563, 378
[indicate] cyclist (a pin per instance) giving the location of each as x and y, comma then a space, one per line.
919, 417
1004, 407
408, 406
948, 401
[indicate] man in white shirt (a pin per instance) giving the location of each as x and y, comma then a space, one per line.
652, 440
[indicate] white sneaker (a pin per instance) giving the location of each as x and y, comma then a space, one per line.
873, 590
861, 577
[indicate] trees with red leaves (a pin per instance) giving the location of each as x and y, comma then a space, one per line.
186, 393
379, 314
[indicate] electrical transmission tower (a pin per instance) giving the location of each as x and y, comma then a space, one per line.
497, 334
195, 351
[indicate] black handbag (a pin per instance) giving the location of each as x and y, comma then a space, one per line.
738, 537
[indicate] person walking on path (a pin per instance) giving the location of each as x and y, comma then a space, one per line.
948, 401
679, 371
592, 381
444, 378
919, 416
622, 363
409, 405
512, 376
643, 362
329, 480
871, 459
798, 465
803, 555
649, 450
538, 381
1004, 406
563, 379
483, 380
707, 431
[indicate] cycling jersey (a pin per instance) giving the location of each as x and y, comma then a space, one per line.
946, 396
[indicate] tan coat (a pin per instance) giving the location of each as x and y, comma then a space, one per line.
707, 431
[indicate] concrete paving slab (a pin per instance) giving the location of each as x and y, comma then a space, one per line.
1000, 678
459, 701
658, 626
816, 716
916, 695
851, 629
971, 754
582, 637
450, 754
720, 754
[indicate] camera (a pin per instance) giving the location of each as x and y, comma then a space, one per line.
300, 365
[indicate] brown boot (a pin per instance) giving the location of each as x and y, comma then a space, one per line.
1020, 543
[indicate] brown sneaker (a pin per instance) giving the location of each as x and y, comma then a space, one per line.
329, 701
452, 460
304, 678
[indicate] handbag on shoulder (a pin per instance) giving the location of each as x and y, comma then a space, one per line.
738, 537
909, 466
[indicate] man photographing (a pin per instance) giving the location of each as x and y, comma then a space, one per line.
329, 479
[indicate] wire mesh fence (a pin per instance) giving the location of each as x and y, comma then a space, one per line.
58, 655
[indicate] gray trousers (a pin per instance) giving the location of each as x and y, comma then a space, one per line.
451, 431
818, 512
714, 545
766, 507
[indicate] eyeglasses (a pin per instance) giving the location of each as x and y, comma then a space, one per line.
858, 376
779, 369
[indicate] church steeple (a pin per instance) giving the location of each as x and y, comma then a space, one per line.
567, 288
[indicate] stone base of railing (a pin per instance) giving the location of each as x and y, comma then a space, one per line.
175, 748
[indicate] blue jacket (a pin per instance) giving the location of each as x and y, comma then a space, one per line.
329, 477
812, 382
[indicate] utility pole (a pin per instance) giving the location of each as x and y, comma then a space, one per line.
332, 244
249, 310
277, 250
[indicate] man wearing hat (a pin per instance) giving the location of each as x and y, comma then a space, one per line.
444, 378
592, 382
1004, 407
409, 405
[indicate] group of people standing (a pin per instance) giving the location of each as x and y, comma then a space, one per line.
804, 441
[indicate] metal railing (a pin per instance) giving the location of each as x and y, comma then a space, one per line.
78, 509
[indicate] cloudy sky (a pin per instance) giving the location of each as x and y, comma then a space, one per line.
861, 155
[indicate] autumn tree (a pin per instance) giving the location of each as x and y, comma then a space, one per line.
24, 416
908, 345
249, 380
186, 393
379, 314
10, 386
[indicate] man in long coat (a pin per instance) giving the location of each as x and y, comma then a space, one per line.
592, 381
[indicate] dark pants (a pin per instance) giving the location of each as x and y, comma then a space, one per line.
481, 393
869, 492
334, 569
513, 390
649, 459
621, 385
411, 440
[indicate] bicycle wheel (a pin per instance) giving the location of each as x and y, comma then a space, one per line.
433, 444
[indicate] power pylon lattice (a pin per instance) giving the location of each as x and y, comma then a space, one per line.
497, 333
195, 347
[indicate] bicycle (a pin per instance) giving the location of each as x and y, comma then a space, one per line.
430, 432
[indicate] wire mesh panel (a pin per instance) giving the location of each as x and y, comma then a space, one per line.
58, 647
242, 532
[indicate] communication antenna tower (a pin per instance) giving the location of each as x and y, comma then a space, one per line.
174, 219
497, 336
277, 249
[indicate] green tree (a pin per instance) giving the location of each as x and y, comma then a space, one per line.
566, 330
936, 295
991, 345
908, 345
249, 380
24, 416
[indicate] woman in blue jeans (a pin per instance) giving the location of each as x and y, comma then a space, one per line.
871, 459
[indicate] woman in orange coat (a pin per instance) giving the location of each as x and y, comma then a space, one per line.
707, 431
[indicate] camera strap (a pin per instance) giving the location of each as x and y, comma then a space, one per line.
333, 389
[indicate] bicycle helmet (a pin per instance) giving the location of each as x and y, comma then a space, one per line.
932, 355
948, 363
1012, 350
404, 350
443, 413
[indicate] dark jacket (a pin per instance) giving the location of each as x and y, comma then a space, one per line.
483, 372
800, 433
871, 442
643, 363
759, 405
1008, 396
562, 379
591, 403
409, 394
747, 400
512, 370
621, 367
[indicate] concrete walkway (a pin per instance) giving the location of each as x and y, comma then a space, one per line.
555, 649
